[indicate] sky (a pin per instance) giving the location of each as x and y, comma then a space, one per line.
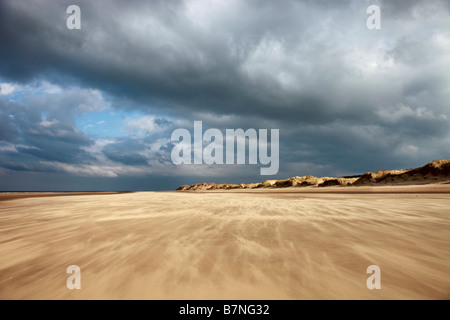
94, 109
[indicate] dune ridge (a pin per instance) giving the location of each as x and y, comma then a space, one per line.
433, 172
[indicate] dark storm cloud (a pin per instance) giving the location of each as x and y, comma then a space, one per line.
407, 8
167, 60
257, 58
126, 152
346, 98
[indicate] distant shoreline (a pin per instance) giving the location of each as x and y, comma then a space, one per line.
5, 195
438, 188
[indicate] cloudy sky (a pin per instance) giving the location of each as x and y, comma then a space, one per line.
94, 109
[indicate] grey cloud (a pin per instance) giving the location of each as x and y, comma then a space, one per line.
407, 8
37, 138
126, 152
167, 60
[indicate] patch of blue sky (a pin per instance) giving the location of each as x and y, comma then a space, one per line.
106, 124
103, 124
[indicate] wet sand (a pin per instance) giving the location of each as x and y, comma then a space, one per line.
262, 244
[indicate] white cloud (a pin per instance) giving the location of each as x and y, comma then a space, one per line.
8, 147
96, 170
141, 126
83, 170
401, 111
47, 88
8, 88
93, 100
47, 123
96, 148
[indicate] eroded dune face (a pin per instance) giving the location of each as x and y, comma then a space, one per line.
430, 173
232, 245
436, 171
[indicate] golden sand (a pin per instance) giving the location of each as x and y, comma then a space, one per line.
229, 245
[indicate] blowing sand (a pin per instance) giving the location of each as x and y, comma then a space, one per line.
228, 245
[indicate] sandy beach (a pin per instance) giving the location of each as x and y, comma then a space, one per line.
245, 244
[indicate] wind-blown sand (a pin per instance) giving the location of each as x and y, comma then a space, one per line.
296, 244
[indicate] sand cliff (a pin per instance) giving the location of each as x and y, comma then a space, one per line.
433, 172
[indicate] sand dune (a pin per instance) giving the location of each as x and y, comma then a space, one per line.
433, 172
239, 244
